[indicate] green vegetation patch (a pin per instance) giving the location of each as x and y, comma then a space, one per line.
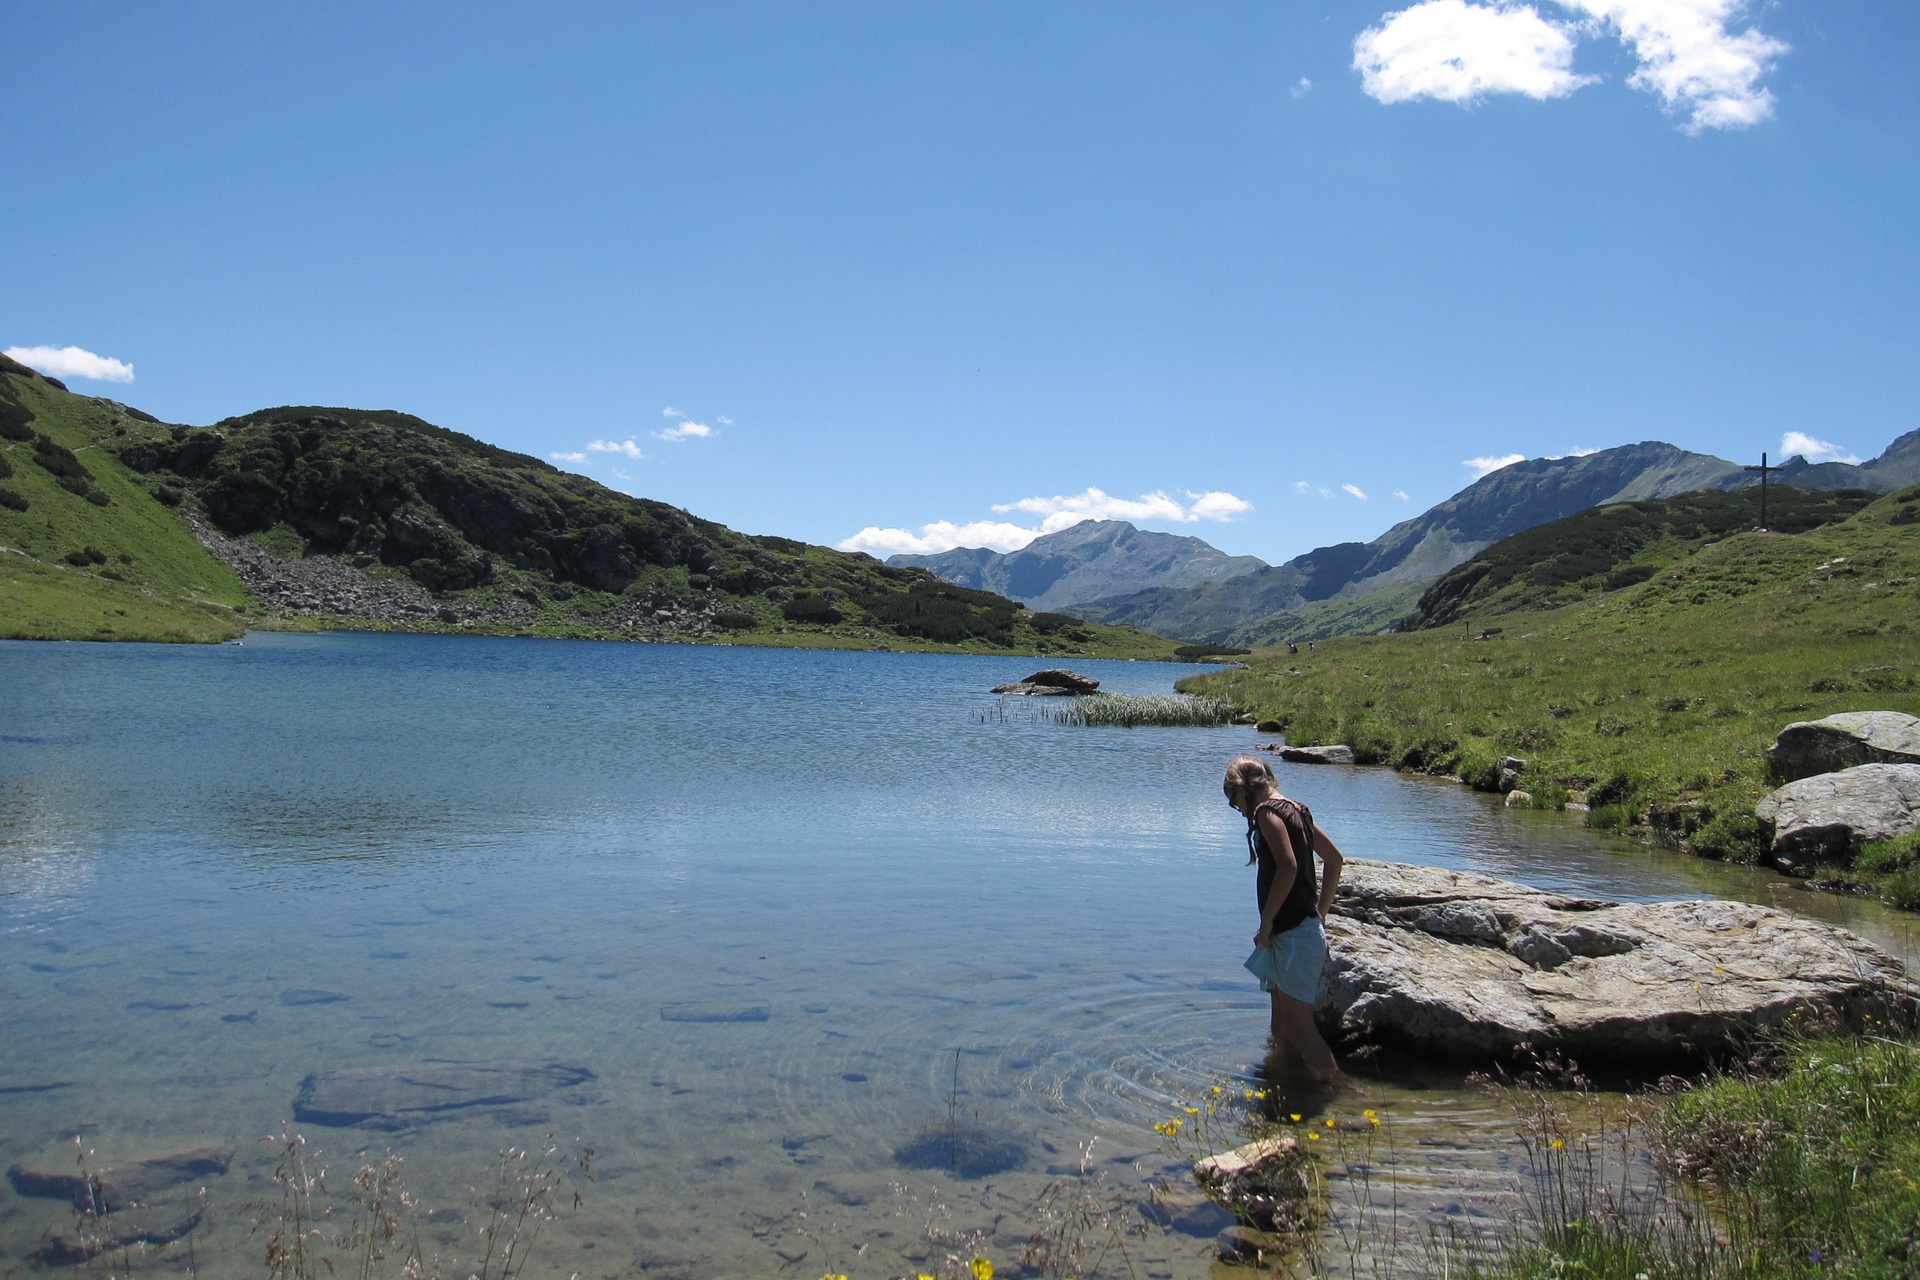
1616, 546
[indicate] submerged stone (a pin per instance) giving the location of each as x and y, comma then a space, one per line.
968, 1153
396, 1097
695, 1011
115, 1189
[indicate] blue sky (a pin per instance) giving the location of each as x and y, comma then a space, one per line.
910, 264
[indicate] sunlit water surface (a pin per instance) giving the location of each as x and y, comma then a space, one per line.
227, 869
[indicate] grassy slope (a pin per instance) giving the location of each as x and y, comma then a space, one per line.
157, 582
1606, 548
1657, 701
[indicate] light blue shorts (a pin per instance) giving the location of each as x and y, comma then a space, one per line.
1292, 964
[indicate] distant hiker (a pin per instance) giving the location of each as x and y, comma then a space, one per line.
1292, 647
1290, 947
1310, 648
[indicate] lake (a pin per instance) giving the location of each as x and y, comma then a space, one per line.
820, 952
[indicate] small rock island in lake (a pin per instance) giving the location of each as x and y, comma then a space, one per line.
1464, 964
1054, 683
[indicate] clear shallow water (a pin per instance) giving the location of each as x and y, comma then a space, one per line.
225, 869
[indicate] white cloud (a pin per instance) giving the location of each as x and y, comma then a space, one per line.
1401, 494
671, 412
626, 448
1302, 88
1354, 489
1057, 513
568, 457
1581, 451
72, 362
685, 431
1326, 493
1460, 52
1302, 486
1691, 61
1487, 466
724, 420
1215, 505
1096, 504
1815, 450
941, 535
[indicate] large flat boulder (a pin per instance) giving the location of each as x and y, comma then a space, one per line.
1467, 965
1826, 818
1810, 747
398, 1097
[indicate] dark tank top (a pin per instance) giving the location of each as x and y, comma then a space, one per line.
1303, 900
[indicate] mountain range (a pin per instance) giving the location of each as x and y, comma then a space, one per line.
1354, 587
1087, 561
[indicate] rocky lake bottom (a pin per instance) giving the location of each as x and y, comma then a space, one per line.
831, 972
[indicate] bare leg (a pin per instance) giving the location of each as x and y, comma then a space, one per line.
1293, 1028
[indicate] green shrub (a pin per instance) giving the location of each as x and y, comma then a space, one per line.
1730, 835
169, 496
943, 613
811, 606
1902, 889
1607, 817
58, 459
86, 556
6, 468
735, 620
13, 501
1885, 856
1193, 651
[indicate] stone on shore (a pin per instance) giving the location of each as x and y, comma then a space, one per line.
1829, 816
1052, 683
1467, 965
399, 1097
1318, 755
1811, 747
1264, 1184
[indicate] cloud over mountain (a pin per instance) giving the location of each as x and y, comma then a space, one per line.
72, 362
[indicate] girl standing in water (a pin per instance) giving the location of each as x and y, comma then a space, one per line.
1290, 947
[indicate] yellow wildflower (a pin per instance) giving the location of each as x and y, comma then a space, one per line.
1295, 1117
1215, 1089
1312, 1136
1193, 1111
982, 1269
1368, 1113
1329, 1122
1557, 1144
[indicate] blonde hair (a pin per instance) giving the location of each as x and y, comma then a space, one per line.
1249, 773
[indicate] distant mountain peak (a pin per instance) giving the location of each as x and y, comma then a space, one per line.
1086, 561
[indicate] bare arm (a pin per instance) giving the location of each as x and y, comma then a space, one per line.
1330, 855
1286, 867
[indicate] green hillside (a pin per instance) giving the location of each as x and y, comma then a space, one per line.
96, 555
343, 517
1654, 703
1615, 546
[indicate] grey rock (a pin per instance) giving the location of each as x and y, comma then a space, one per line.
1463, 964
1511, 767
1318, 755
1828, 816
1051, 683
397, 1097
153, 1227
696, 1011
114, 1190
1810, 747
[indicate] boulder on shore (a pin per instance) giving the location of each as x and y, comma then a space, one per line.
1810, 747
1463, 964
1318, 755
1053, 683
1829, 816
